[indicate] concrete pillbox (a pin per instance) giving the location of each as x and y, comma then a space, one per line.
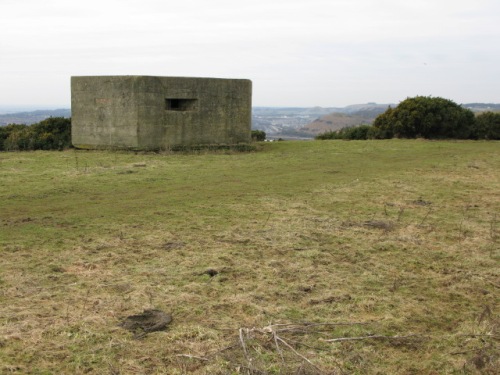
145, 112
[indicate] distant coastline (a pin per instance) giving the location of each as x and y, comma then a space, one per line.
11, 109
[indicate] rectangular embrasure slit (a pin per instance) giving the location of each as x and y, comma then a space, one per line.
174, 104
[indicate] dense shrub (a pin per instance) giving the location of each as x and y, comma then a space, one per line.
487, 126
5, 133
19, 139
329, 135
351, 133
53, 133
425, 117
258, 135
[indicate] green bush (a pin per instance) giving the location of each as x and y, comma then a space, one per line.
258, 135
20, 139
426, 117
329, 135
53, 133
360, 132
5, 133
487, 126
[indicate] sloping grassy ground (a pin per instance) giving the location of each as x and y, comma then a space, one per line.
391, 248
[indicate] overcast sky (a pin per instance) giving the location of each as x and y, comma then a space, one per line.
297, 52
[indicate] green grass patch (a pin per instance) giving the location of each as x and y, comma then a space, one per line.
391, 246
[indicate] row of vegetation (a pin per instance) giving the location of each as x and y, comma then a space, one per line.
53, 133
425, 117
418, 117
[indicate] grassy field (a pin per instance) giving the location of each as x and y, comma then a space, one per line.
333, 257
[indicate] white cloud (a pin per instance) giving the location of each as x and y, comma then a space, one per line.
316, 52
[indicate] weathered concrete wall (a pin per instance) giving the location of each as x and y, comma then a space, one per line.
146, 112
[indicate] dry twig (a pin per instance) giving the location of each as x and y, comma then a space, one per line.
339, 339
297, 353
275, 337
306, 326
243, 345
192, 357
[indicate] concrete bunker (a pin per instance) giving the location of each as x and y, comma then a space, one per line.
145, 112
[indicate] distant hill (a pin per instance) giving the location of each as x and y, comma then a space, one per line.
334, 121
307, 122
32, 117
369, 110
353, 115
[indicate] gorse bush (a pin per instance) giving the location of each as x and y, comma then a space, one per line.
53, 133
425, 117
10, 132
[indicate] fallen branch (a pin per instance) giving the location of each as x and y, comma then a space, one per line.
306, 326
425, 217
467, 352
192, 357
297, 353
479, 335
271, 329
275, 337
220, 350
308, 346
367, 338
245, 351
